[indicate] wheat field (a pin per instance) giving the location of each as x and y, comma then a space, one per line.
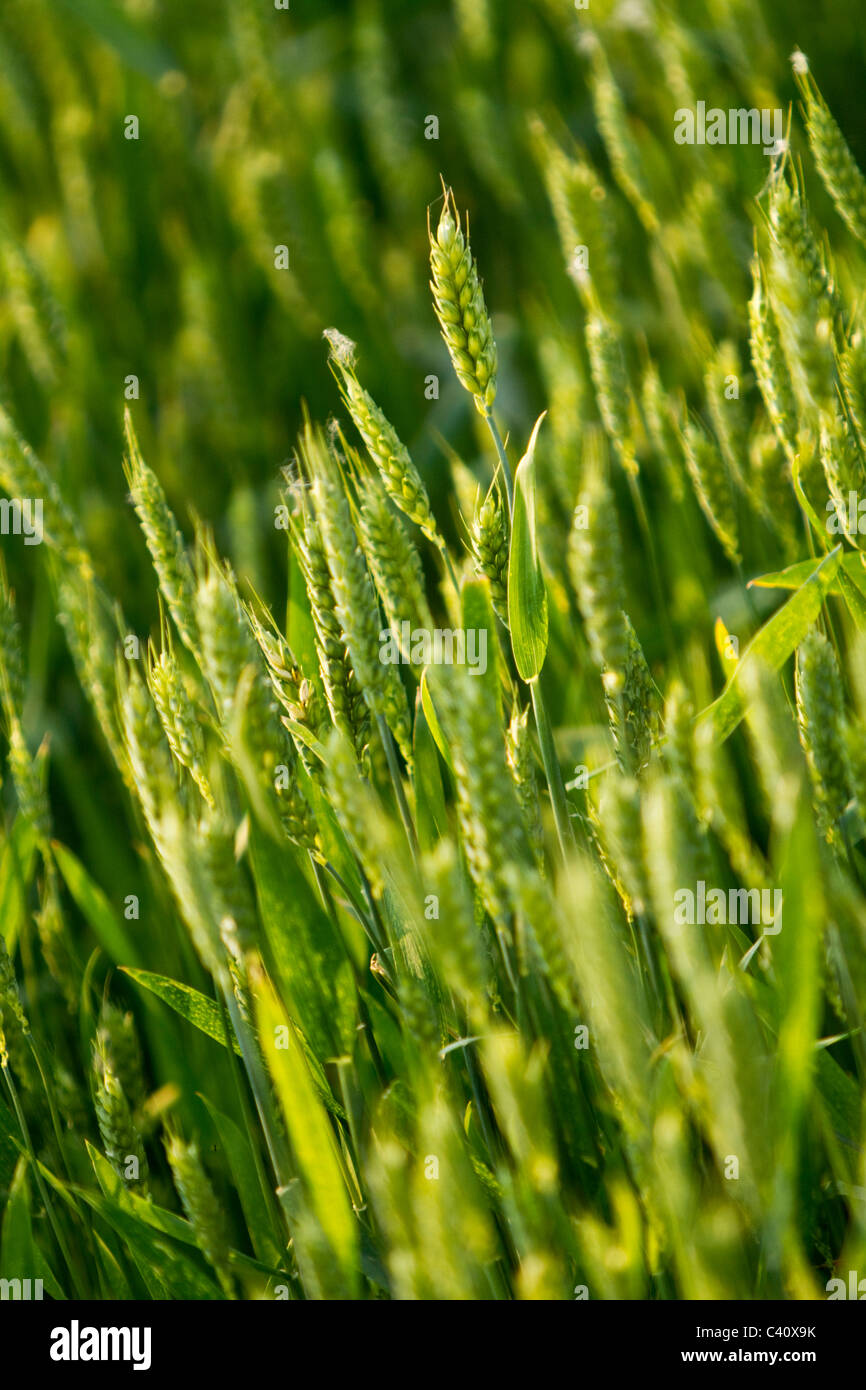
432, 651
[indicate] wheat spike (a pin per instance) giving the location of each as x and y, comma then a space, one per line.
460, 307
393, 560
179, 717
164, 540
24, 476
713, 487
489, 540
343, 693
768, 359
837, 166
120, 1137
202, 1209
612, 390
596, 571
820, 720
401, 479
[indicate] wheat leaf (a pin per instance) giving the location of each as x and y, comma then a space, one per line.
196, 1008
773, 644
527, 595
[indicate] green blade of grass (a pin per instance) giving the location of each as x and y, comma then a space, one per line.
773, 644
20, 1254
16, 872
433, 721
527, 593
310, 1133
430, 814
95, 907
308, 954
196, 1008
236, 1147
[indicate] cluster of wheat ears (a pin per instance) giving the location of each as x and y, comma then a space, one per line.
415, 928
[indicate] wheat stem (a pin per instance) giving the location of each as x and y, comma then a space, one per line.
52, 1103
278, 1222
503, 458
555, 786
40, 1182
258, 1080
564, 828
366, 1021
397, 782
449, 567
654, 567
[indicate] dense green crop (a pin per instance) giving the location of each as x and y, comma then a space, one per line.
433, 858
